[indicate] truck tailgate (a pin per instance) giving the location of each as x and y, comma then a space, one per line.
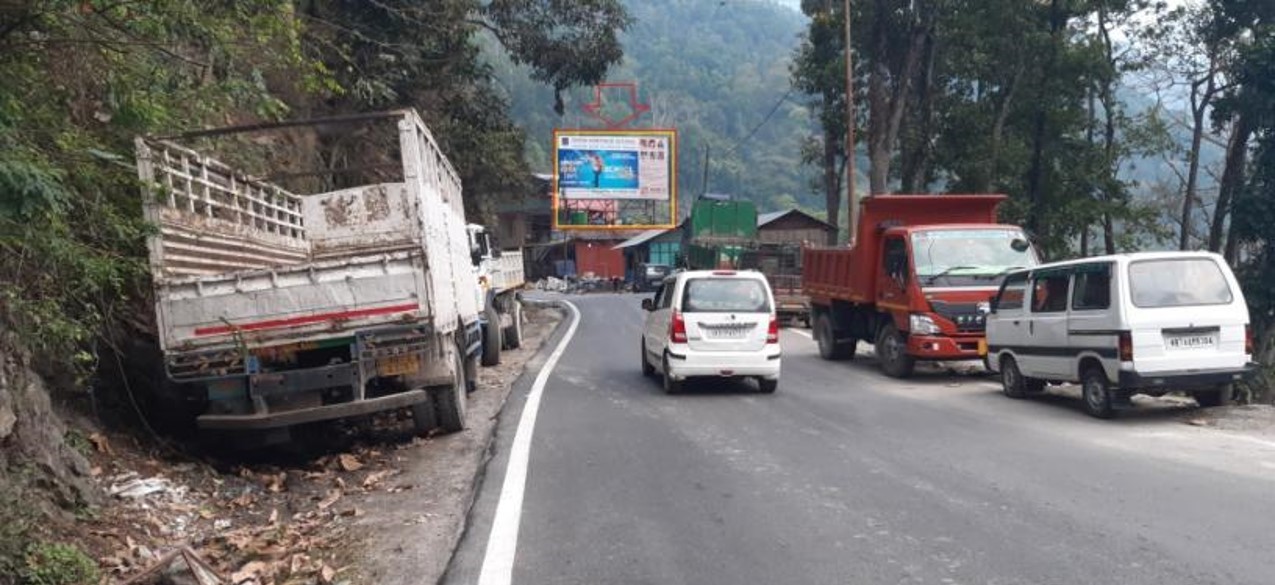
298, 303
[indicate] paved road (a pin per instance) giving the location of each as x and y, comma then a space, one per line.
845, 476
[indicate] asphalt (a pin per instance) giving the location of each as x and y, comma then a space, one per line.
846, 476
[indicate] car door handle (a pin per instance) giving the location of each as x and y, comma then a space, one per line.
1017, 322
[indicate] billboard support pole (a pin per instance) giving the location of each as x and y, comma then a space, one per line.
852, 204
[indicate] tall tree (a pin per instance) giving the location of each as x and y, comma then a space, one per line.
819, 70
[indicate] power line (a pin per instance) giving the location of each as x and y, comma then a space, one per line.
769, 115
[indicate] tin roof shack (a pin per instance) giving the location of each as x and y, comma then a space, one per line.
793, 226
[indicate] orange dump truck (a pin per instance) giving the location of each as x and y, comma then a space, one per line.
918, 281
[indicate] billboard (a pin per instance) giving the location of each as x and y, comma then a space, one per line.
614, 178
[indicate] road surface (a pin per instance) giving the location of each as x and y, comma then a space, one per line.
846, 476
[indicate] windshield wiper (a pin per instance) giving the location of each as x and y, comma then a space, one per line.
946, 271
1007, 271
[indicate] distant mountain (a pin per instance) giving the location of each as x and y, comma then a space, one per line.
718, 73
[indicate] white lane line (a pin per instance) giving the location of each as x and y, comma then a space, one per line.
502, 544
801, 333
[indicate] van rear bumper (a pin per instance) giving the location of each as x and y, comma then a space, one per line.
1185, 378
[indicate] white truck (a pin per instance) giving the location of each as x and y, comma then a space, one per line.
501, 277
277, 309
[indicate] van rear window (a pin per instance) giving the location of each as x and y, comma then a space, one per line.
1178, 282
725, 295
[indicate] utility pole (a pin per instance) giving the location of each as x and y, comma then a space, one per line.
703, 188
852, 204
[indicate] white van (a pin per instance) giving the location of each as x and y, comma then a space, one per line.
1120, 325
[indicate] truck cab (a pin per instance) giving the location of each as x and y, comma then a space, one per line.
498, 277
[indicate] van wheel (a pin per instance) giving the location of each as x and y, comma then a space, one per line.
892, 350
1012, 384
451, 401
647, 369
1096, 392
1211, 398
671, 386
492, 338
829, 349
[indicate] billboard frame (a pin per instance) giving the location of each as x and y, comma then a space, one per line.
669, 133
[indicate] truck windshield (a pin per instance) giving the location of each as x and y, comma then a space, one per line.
963, 257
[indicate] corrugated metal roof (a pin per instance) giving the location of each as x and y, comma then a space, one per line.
640, 239
765, 218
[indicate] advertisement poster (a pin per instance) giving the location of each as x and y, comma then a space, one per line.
634, 165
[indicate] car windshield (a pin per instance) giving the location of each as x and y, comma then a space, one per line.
725, 295
968, 256
1178, 282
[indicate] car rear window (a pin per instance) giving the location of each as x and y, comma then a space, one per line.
1178, 282
725, 295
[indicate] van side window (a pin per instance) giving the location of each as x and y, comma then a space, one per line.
1049, 292
895, 259
1012, 293
1092, 291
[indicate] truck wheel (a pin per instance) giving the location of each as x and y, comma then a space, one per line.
513, 335
892, 349
647, 369
451, 400
829, 349
492, 337
424, 419
1211, 398
1096, 392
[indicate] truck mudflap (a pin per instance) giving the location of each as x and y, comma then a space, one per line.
313, 414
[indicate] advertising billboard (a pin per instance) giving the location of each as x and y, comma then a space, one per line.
614, 178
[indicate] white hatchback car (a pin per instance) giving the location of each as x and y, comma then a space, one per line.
712, 323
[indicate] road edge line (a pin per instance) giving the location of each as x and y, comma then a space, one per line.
502, 542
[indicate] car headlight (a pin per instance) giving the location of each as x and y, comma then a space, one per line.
923, 325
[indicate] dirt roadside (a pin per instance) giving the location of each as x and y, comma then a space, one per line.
359, 503
408, 538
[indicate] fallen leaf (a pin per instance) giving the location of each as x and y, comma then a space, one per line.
331, 498
274, 516
244, 500
350, 462
376, 477
252, 570
95, 471
400, 488
340, 483
355, 512
206, 514
327, 574
298, 563
100, 443
275, 483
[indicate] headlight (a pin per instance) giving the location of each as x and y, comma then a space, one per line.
923, 325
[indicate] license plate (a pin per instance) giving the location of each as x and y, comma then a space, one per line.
982, 348
398, 365
1190, 341
731, 333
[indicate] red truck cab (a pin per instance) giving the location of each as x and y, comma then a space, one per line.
918, 281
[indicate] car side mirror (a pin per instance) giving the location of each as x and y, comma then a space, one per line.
648, 305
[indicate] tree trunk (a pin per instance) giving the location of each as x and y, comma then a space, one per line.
831, 185
886, 103
1111, 161
998, 133
1199, 106
916, 162
1232, 180
1036, 172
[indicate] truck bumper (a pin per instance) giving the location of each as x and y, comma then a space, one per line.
313, 414
941, 347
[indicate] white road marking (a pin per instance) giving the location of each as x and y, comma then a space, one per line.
502, 544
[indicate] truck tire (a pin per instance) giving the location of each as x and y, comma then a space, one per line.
513, 335
492, 338
829, 349
892, 350
451, 401
424, 418
1096, 392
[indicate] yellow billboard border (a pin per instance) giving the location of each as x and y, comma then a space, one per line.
670, 133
